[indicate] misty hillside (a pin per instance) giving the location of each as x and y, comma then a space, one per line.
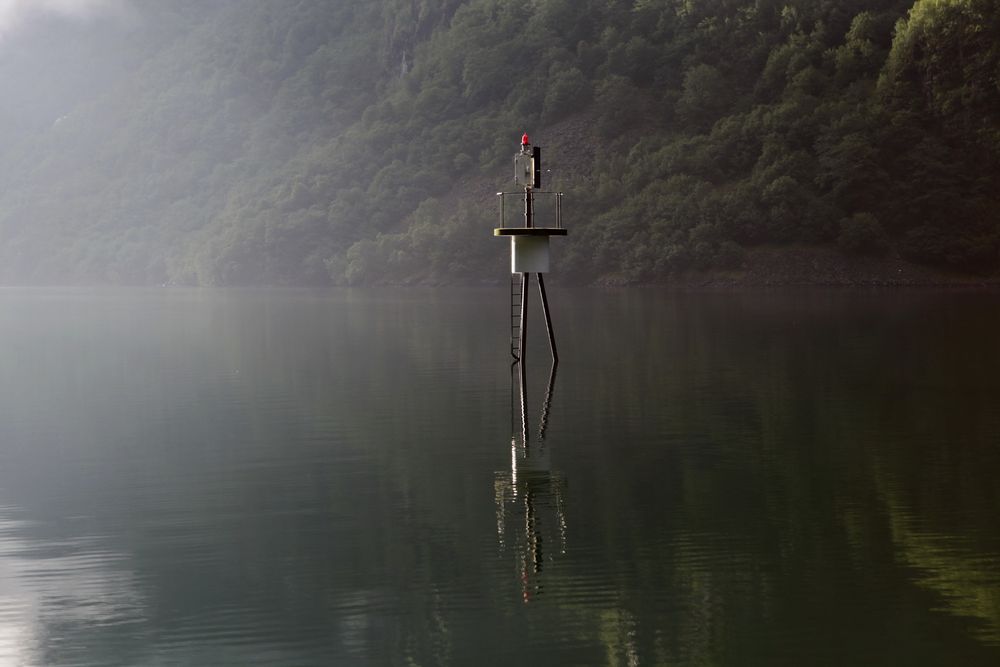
356, 141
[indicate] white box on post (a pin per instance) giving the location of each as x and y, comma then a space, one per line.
529, 254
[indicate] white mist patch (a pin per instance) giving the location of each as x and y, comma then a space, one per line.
14, 13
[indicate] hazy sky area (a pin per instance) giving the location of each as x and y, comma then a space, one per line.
14, 13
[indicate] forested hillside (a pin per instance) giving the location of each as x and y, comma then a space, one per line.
358, 141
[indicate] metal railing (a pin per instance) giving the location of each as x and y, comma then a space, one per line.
551, 209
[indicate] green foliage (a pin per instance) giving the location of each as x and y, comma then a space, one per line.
346, 141
705, 95
567, 92
940, 245
862, 234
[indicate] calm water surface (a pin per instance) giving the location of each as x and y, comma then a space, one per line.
342, 477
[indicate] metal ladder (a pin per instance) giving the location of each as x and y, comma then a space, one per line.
515, 316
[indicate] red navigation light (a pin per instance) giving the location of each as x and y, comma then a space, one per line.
524, 139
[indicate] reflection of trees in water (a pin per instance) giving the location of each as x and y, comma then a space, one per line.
773, 409
219, 441
752, 473
947, 563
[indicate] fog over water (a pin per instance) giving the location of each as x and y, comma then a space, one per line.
306, 477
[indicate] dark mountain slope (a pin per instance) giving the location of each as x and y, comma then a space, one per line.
309, 142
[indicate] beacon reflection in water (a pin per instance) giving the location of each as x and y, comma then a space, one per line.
530, 497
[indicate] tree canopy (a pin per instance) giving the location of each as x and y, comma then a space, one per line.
350, 141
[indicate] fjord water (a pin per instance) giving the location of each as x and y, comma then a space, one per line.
341, 477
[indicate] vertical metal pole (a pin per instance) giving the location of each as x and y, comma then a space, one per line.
523, 381
525, 279
528, 222
513, 421
522, 343
547, 405
548, 321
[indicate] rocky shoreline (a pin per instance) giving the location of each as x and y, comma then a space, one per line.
822, 266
